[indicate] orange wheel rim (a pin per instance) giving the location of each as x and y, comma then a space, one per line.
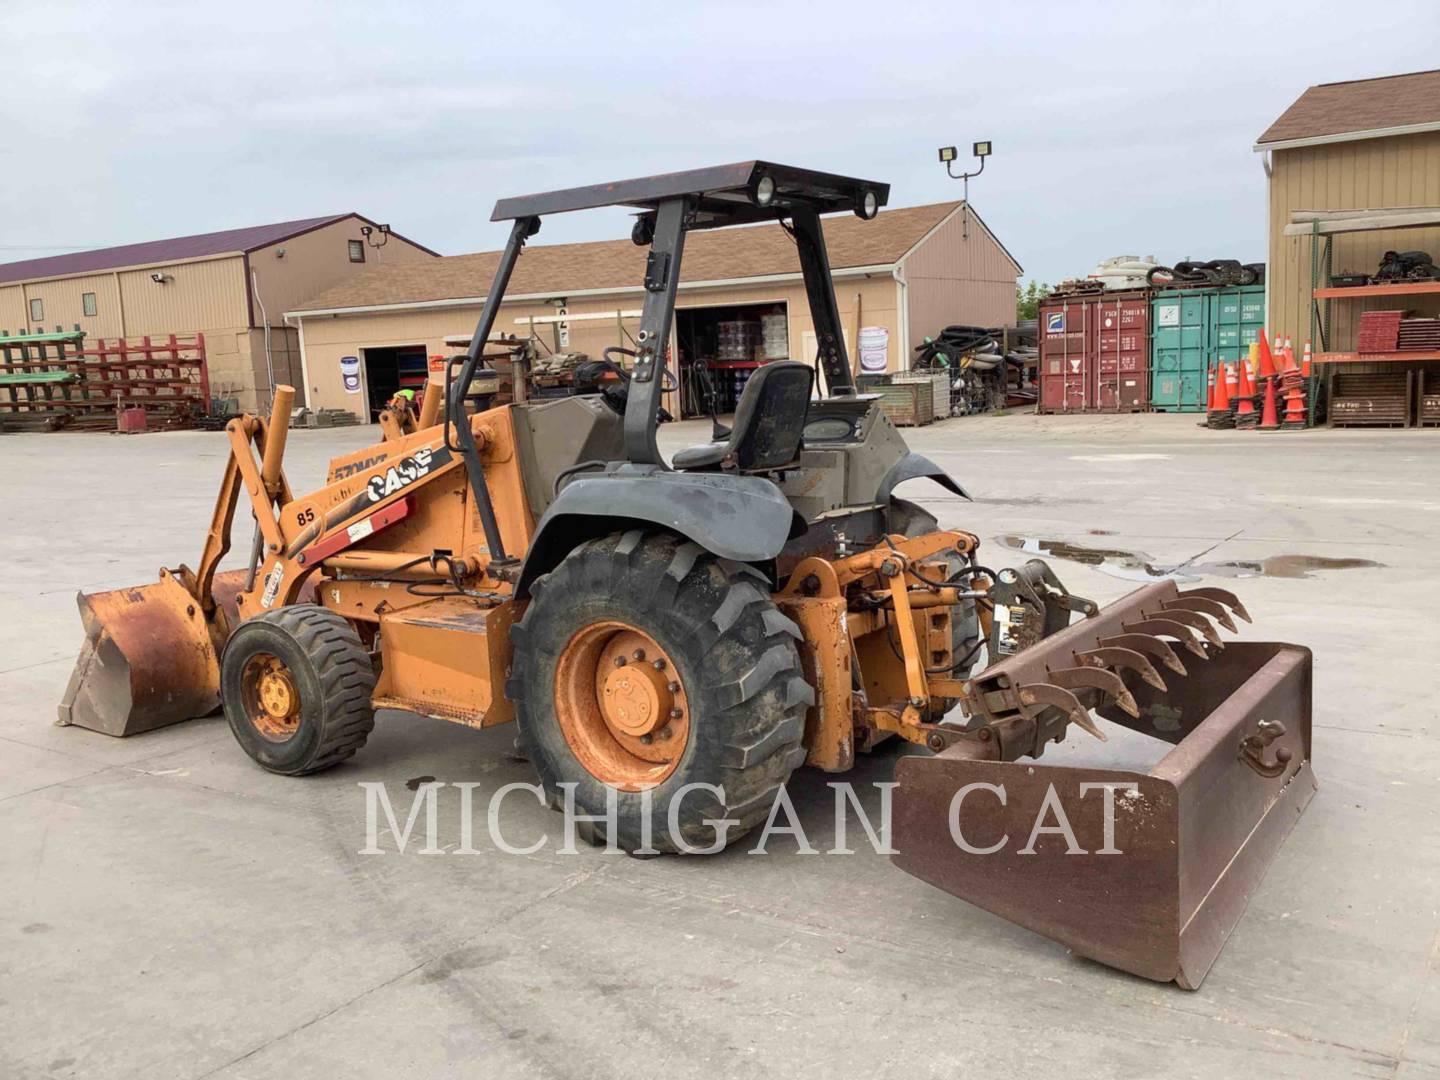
621, 705
272, 702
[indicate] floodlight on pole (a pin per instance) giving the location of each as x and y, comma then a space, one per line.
948, 154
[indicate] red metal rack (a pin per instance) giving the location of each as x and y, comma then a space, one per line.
51, 381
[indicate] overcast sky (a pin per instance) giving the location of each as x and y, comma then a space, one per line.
1118, 128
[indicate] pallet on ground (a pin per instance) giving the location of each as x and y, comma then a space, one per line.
1429, 406
1372, 398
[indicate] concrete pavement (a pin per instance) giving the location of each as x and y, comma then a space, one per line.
167, 909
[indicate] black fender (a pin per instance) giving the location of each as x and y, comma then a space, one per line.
910, 467
745, 518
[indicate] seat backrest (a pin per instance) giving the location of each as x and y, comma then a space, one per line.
770, 416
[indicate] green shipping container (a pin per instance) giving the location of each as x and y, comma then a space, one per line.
1194, 330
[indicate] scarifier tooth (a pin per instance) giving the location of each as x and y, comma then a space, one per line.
1190, 618
1043, 694
1179, 631
1102, 679
1220, 596
1147, 643
1213, 608
1121, 657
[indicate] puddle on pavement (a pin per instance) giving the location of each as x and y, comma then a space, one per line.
1140, 566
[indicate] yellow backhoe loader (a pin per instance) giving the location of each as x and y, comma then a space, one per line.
760, 602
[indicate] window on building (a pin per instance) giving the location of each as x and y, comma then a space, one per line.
87, 303
357, 250
37, 310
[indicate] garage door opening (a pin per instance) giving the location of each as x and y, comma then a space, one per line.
389, 369
719, 348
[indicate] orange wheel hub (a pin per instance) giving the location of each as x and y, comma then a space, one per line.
621, 705
272, 703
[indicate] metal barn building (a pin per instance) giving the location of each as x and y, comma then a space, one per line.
226, 285
899, 278
1368, 145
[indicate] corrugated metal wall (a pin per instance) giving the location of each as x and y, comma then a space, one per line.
63, 305
199, 295
196, 295
1367, 174
208, 296
951, 279
317, 260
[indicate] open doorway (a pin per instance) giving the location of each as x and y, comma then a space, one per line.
390, 369
720, 346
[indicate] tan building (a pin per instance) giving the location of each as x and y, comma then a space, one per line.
226, 285
899, 278
1373, 144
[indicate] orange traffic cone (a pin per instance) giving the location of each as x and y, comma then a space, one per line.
1266, 360
1305, 362
1289, 356
1270, 421
1232, 385
1294, 407
1245, 415
1219, 414
1266, 366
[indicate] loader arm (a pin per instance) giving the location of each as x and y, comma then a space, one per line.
151, 654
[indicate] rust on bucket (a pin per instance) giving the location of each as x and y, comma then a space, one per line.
1144, 871
150, 655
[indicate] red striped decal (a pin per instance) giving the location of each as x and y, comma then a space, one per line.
363, 529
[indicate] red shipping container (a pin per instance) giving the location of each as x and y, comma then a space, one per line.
1095, 353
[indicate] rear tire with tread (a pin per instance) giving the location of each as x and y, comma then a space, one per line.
736, 657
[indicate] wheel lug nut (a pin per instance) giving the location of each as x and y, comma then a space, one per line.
619, 661
638, 654
675, 714
673, 687
646, 739
658, 665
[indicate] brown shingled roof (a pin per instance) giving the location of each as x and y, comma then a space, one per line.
713, 255
1363, 105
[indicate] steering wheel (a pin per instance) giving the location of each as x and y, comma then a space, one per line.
618, 351
667, 384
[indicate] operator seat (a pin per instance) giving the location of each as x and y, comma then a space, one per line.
769, 423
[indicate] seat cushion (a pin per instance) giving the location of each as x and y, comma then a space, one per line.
703, 456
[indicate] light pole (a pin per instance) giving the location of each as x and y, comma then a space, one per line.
947, 155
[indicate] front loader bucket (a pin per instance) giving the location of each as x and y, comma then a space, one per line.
150, 658
1154, 884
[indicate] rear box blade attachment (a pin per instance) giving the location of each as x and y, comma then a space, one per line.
1155, 885
149, 658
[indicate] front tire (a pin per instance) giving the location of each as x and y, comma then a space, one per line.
646, 662
296, 686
